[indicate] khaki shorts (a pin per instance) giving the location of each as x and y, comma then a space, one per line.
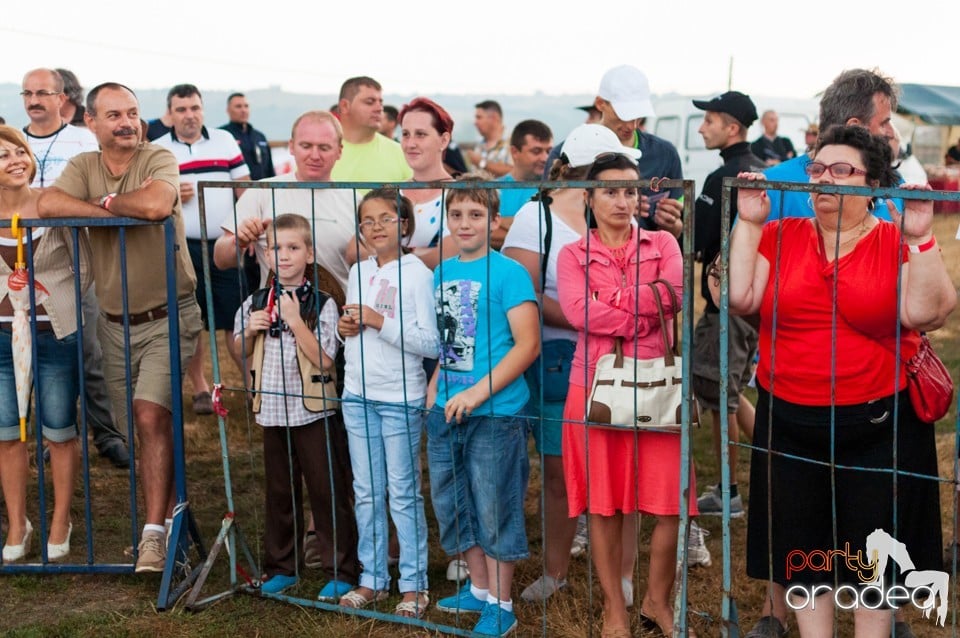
706, 360
149, 358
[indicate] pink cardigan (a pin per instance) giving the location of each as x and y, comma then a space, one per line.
623, 306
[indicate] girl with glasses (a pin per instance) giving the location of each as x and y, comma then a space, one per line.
389, 325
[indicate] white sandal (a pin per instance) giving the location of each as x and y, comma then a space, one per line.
413, 608
355, 600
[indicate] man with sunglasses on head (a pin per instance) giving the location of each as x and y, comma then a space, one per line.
53, 142
623, 101
855, 97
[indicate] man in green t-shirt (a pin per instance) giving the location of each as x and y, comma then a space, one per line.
367, 156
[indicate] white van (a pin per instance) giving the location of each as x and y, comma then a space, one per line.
678, 120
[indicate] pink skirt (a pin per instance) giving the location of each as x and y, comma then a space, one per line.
609, 471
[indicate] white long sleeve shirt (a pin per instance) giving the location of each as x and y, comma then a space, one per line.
391, 366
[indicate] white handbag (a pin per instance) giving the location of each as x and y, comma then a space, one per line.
631, 393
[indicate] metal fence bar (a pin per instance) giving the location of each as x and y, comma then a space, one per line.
445, 187
90, 566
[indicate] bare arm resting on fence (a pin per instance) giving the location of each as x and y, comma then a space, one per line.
248, 233
927, 294
153, 201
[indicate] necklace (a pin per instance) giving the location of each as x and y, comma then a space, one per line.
861, 231
43, 162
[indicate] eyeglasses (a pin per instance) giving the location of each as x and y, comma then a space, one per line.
41, 93
367, 224
839, 170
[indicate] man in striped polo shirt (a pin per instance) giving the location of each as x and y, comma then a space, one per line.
206, 155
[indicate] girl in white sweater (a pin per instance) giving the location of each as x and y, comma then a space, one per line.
389, 326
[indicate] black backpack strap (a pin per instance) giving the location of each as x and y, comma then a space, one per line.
258, 300
547, 240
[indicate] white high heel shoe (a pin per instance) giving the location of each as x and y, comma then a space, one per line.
13, 553
59, 551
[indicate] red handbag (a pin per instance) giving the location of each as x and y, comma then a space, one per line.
928, 383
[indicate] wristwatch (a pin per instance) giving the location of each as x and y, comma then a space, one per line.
106, 199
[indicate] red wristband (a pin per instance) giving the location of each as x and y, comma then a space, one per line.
924, 247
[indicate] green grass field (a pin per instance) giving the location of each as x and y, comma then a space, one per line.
103, 606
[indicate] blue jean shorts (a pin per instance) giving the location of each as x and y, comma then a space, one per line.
478, 478
56, 385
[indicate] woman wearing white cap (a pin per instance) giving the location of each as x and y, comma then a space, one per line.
539, 231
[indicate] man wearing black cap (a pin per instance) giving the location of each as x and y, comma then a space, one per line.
724, 127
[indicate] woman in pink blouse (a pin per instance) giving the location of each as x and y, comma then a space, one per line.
612, 474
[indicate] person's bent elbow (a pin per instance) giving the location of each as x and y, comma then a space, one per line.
46, 204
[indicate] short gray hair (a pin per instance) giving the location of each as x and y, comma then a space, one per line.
850, 95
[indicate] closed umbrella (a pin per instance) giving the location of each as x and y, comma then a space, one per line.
18, 283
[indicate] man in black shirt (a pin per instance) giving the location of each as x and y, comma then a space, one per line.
769, 147
724, 127
253, 143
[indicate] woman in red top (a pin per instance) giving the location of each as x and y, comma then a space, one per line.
830, 386
601, 281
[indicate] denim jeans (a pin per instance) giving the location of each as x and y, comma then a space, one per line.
384, 443
56, 383
478, 477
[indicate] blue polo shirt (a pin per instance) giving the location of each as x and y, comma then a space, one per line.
797, 204
511, 199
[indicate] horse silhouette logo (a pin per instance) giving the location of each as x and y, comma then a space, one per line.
883, 548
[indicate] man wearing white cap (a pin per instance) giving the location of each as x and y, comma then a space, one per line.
623, 99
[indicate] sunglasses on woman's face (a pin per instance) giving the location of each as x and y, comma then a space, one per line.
839, 170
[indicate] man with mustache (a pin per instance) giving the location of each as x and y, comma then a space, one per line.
53, 142
128, 178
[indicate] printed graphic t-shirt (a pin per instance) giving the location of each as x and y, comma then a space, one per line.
473, 299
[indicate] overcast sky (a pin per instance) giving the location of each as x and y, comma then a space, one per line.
488, 46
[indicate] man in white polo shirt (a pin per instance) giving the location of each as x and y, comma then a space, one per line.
206, 155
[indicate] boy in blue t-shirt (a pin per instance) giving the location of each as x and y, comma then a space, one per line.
476, 430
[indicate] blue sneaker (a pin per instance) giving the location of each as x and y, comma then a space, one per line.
495, 621
333, 590
463, 602
277, 583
